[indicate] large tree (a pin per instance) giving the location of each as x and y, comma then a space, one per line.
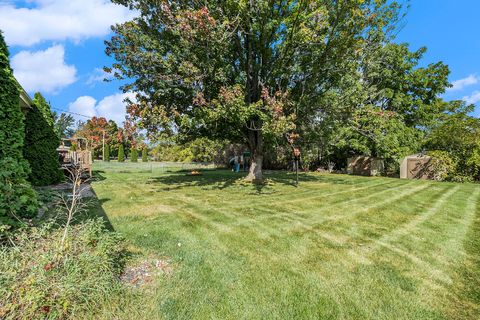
63, 124
389, 103
98, 132
458, 133
246, 70
393, 103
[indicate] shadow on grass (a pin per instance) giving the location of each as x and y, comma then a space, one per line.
95, 210
98, 176
95, 205
224, 179
56, 211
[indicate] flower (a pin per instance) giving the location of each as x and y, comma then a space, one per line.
48, 266
45, 309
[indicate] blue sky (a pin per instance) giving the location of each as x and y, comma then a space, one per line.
57, 48
450, 29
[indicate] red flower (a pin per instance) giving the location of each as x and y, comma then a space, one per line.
48, 266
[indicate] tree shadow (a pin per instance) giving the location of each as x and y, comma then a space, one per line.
98, 176
210, 179
95, 210
93, 207
215, 179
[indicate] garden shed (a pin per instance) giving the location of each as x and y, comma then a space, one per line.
416, 166
365, 166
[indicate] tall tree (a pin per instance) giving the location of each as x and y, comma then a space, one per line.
99, 132
41, 143
458, 133
63, 124
107, 153
245, 70
134, 154
17, 198
94, 130
389, 104
121, 153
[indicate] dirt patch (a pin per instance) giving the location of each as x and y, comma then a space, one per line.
145, 272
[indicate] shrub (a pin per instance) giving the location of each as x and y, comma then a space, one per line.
39, 280
144, 155
133, 155
473, 162
442, 166
17, 198
107, 153
121, 154
41, 143
460, 178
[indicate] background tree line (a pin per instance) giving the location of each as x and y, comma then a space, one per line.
118, 142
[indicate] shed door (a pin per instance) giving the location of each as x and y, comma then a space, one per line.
417, 169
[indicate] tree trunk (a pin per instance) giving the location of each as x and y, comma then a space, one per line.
256, 147
255, 173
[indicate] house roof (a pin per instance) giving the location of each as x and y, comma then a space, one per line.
25, 100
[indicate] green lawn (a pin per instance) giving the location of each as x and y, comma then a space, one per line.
336, 247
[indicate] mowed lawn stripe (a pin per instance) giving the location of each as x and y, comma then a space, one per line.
283, 204
266, 223
406, 229
464, 302
349, 208
374, 221
391, 240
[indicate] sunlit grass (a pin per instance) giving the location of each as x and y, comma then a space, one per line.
336, 247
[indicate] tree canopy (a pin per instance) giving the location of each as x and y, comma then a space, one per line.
63, 124
244, 70
458, 133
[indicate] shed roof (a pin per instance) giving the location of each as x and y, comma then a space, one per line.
418, 155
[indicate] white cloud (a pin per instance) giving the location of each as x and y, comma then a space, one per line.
44, 71
462, 83
473, 98
59, 20
98, 75
84, 105
111, 107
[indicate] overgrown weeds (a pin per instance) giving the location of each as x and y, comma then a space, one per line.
40, 278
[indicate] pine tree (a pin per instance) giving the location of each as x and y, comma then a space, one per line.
107, 153
17, 198
144, 155
121, 154
41, 143
133, 154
